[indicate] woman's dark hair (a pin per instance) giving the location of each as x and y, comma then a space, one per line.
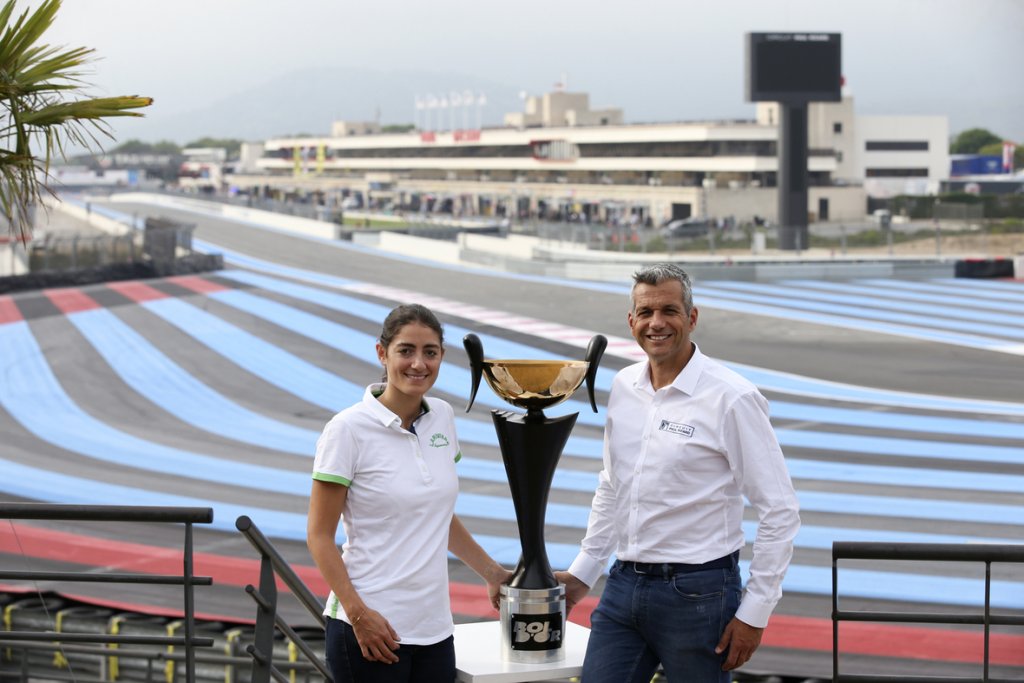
402, 315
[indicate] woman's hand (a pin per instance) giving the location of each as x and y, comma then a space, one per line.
496, 578
377, 640
461, 543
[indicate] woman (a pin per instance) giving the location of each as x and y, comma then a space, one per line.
386, 468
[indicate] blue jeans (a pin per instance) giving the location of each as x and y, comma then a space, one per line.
644, 620
416, 663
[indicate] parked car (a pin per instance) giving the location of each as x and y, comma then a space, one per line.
687, 227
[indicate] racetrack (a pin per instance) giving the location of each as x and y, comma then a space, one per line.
898, 405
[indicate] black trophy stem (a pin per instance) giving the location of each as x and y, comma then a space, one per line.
531, 446
475, 351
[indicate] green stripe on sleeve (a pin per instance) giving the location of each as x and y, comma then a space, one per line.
333, 478
458, 456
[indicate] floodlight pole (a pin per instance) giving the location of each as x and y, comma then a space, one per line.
792, 176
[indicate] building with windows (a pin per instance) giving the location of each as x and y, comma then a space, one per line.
886, 155
558, 159
560, 108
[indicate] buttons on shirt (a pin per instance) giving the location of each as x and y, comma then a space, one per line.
424, 470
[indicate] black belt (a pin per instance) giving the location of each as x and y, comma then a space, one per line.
670, 569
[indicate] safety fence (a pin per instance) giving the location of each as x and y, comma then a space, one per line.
62, 633
74, 251
923, 552
46, 636
272, 566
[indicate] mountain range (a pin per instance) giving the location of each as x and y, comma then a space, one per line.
307, 101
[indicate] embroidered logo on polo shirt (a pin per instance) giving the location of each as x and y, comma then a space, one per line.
676, 428
438, 440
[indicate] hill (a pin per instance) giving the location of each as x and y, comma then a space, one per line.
308, 100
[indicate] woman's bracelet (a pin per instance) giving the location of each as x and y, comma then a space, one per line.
361, 615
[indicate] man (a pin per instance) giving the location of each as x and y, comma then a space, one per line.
686, 439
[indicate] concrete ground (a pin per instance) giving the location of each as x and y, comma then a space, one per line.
848, 356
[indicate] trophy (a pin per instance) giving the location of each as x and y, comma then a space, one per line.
532, 604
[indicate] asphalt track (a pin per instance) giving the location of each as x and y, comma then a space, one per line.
899, 406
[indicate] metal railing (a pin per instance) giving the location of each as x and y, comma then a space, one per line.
151, 658
74, 251
272, 565
59, 649
117, 513
922, 552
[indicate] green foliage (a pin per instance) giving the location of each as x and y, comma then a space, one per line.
43, 109
139, 147
657, 243
166, 147
133, 146
972, 140
859, 239
961, 198
230, 144
365, 222
398, 128
912, 206
1007, 226
1004, 206
996, 149
995, 205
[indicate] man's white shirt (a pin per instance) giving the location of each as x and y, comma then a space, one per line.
677, 464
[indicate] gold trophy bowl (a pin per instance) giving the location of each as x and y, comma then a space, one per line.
535, 384
532, 604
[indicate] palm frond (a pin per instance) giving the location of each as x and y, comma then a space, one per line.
19, 191
99, 108
51, 67
27, 30
42, 108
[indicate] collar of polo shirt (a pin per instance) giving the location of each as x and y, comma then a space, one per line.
381, 411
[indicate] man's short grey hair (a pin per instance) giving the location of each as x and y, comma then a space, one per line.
664, 272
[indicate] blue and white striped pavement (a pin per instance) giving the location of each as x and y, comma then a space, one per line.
869, 464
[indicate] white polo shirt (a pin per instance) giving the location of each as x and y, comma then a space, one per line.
401, 498
677, 463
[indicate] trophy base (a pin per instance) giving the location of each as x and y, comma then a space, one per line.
532, 624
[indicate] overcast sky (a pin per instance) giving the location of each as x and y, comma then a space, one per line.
659, 60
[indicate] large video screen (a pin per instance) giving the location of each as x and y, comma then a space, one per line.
794, 67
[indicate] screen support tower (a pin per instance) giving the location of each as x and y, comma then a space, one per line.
792, 70
793, 234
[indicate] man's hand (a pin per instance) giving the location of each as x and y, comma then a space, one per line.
575, 590
740, 641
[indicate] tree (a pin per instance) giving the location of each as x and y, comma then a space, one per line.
996, 150
134, 146
44, 109
230, 145
971, 141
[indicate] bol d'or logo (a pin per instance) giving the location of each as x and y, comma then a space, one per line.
536, 632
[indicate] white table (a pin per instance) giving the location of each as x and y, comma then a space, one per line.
478, 656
